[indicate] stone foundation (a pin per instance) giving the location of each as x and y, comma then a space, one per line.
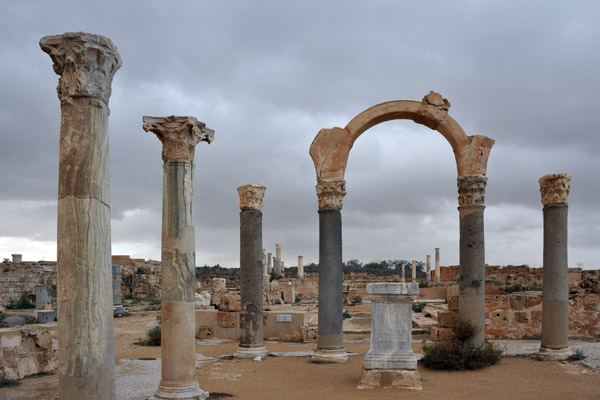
28, 350
390, 378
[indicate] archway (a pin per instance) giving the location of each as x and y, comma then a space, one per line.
329, 151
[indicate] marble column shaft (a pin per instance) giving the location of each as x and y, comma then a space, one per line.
269, 265
428, 271
251, 268
330, 343
437, 264
179, 136
414, 270
403, 273
555, 305
471, 300
277, 264
300, 267
86, 63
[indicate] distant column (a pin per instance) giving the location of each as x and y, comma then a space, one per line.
264, 260
414, 271
437, 264
555, 305
278, 268
403, 273
471, 298
300, 267
269, 265
86, 354
330, 343
17, 258
428, 272
179, 137
251, 268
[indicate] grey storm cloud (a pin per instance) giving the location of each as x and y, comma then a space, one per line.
267, 76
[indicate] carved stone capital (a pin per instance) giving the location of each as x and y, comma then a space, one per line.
251, 196
85, 62
179, 135
471, 190
555, 189
331, 194
434, 108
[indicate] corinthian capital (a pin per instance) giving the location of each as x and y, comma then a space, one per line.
85, 62
555, 189
331, 194
179, 135
251, 196
471, 190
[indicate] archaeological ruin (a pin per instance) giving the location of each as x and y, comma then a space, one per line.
78, 317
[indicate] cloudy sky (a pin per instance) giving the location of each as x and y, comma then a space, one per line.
267, 76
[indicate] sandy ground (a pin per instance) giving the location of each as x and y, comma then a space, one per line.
292, 378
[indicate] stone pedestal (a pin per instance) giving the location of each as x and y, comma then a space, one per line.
330, 343
555, 304
390, 356
471, 297
437, 264
179, 136
86, 357
251, 277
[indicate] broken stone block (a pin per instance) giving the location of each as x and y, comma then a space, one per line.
205, 332
9, 322
45, 316
230, 302
29, 319
226, 319
447, 319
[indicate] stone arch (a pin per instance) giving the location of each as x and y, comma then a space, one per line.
329, 151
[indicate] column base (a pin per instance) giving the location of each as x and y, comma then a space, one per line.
251, 352
392, 361
386, 378
182, 393
548, 354
330, 356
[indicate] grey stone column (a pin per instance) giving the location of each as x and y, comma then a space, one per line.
471, 298
555, 304
179, 136
118, 309
264, 261
251, 277
437, 264
300, 267
414, 271
330, 343
86, 355
428, 271
277, 266
403, 273
269, 265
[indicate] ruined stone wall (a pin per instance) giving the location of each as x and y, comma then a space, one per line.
28, 350
15, 278
140, 278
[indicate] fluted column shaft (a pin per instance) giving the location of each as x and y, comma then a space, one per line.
555, 304
87, 64
251, 268
179, 136
471, 300
330, 344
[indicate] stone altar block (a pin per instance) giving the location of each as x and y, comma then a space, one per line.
390, 352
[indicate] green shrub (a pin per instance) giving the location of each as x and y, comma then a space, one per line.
456, 353
219, 395
39, 374
4, 383
347, 315
418, 307
22, 303
428, 315
356, 300
514, 288
154, 302
153, 338
536, 288
577, 356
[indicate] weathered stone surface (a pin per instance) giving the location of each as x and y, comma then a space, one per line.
29, 319
86, 63
555, 188
179, 135
230, 302
9, 322
227, 319
447, 319
331, 194
471, 190
43, 296
45, 316
251, 196
393, 378
205, 332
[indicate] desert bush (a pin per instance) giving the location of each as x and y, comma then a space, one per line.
153, 338
418, 307
456, 353
22, 303
4, 383
515, 288
356, 300
577, 356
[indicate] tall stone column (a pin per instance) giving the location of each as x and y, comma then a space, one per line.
414, 271
264, 260
428, 271
330, 343
300, 267
86, 355
179, 137
251, 267
555, 304
403, 273
269, 266
437, 264
471, 298
278, 268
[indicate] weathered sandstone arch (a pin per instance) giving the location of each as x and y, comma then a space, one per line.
329, 151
